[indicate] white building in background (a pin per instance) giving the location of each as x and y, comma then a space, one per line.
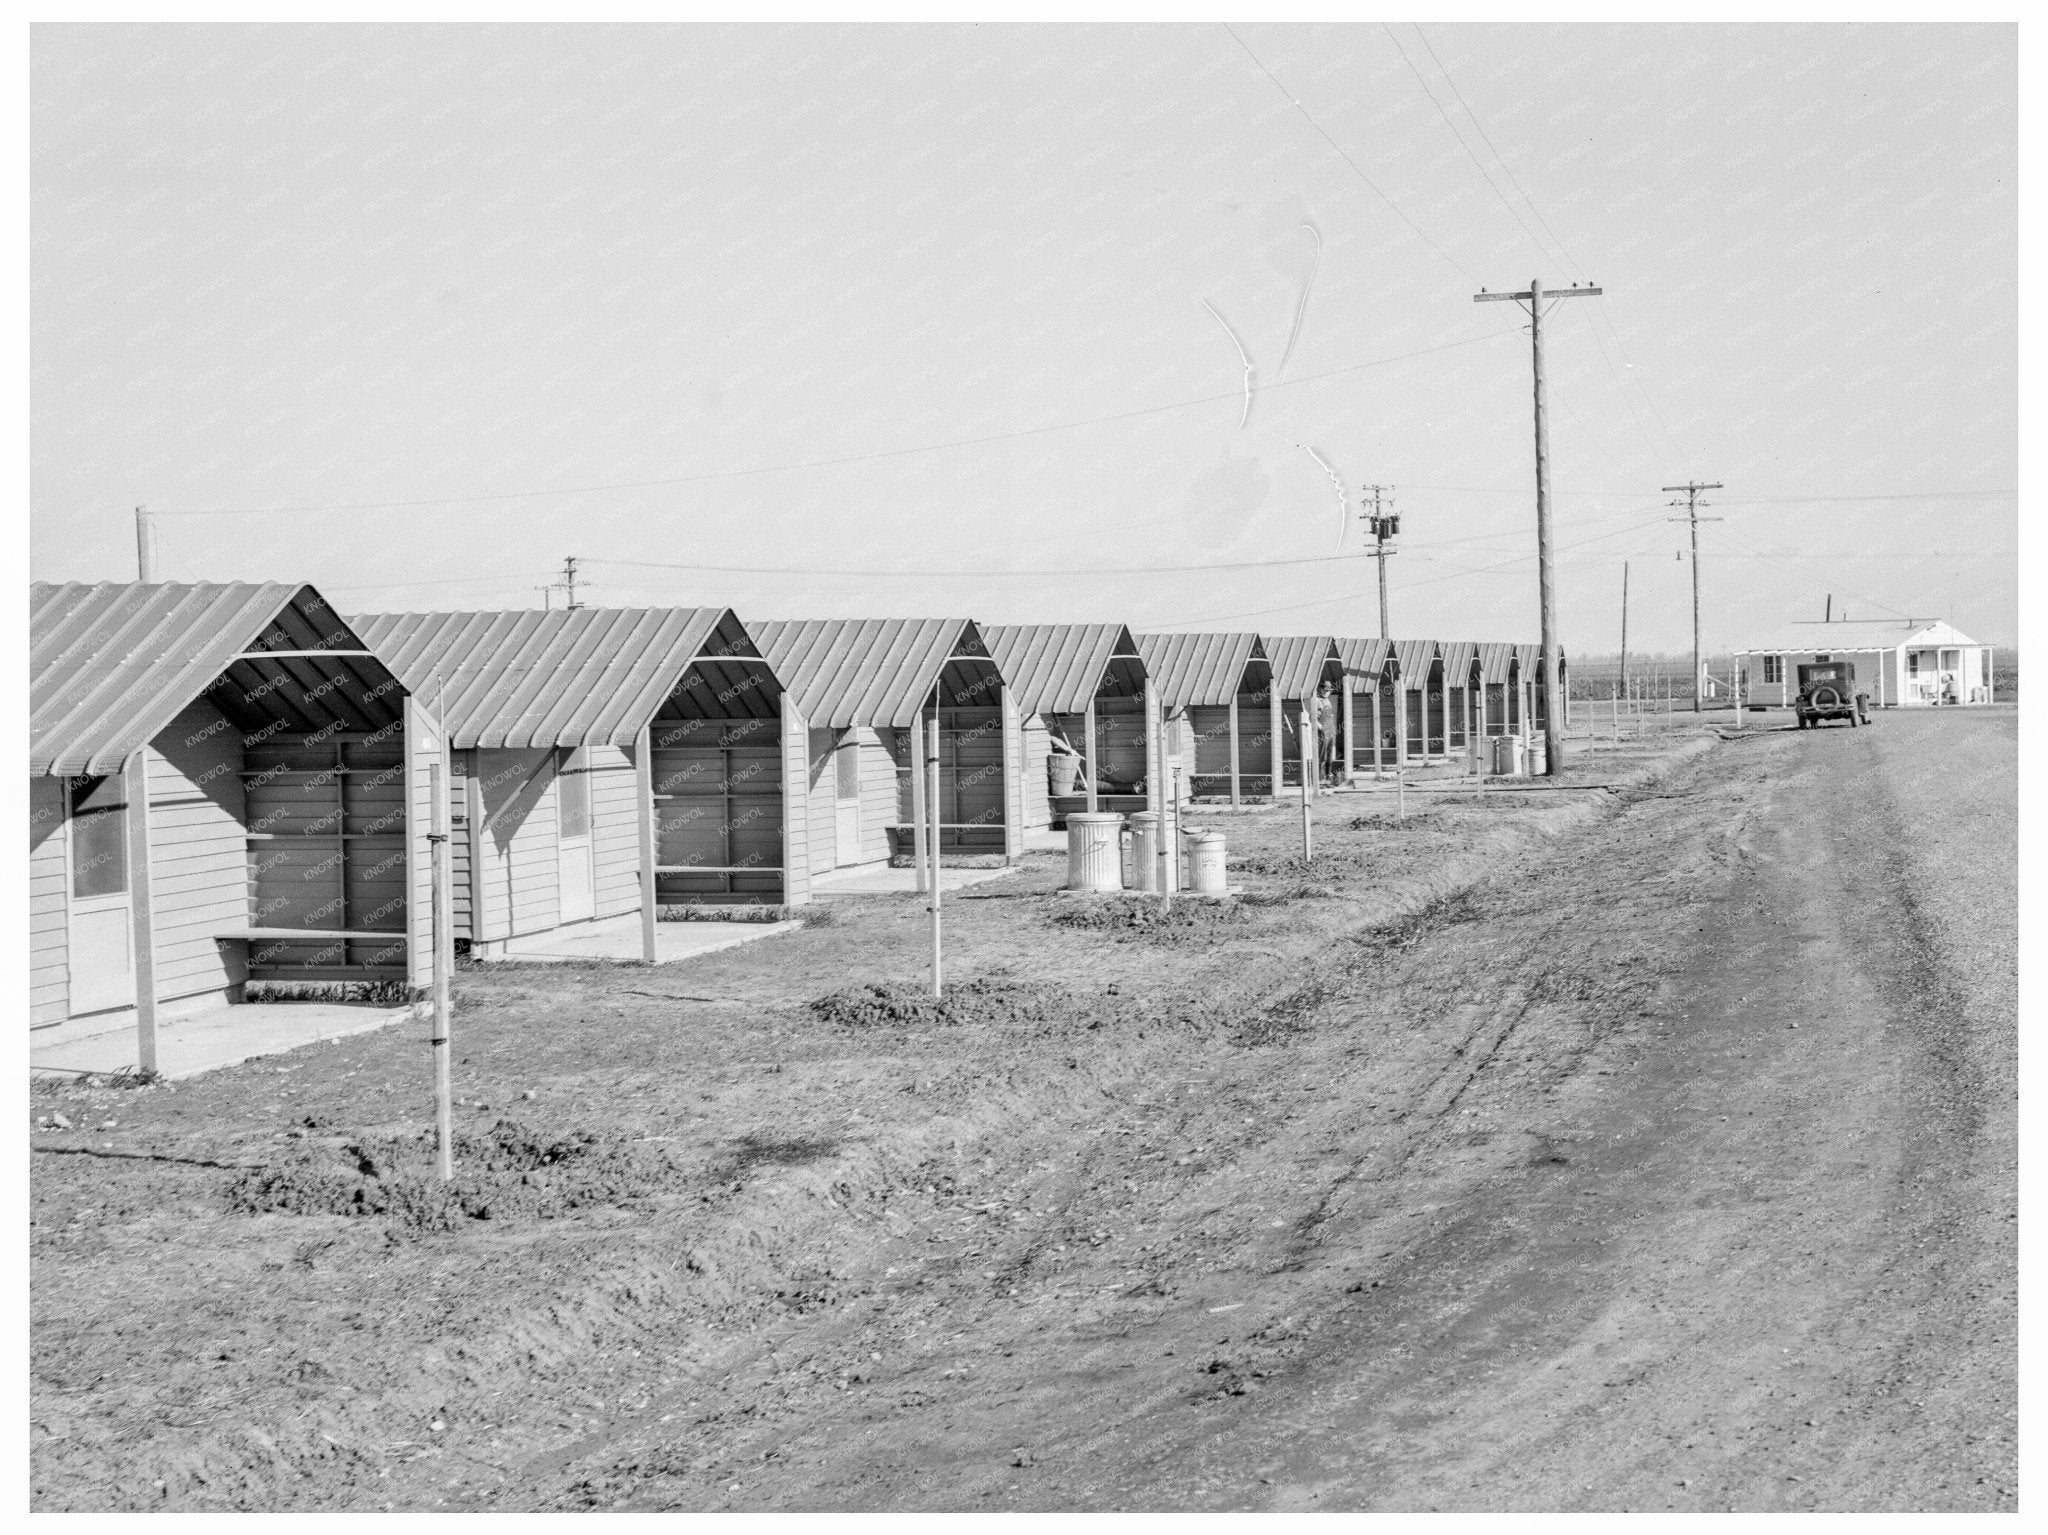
1897, 661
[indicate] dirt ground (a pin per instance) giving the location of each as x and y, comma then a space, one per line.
1636, 1149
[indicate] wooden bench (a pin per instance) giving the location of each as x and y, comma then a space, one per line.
252, 936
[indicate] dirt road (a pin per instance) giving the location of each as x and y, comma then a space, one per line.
1659, 1155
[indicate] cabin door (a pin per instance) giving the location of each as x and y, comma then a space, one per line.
572, 808
846, 803
102, 957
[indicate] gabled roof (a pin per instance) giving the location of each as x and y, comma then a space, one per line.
1856, 634
1196, 670
1300, 662
1458, 658
1531, 659
1364, 660
845, 672
576, 677
111, 664
1058, 668
1414, 658
1495, 659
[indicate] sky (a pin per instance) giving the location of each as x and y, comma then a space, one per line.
1035, 323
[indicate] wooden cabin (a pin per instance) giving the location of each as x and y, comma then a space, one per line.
1461, 696
864, 686
1080, 692
1899, 662
1369, 698
227, 787
1418, 667
1500, 689
1535, 709
1221, 711
1302, 663
605, 762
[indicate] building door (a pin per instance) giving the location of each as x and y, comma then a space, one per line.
102, 955
846, 768
572, 810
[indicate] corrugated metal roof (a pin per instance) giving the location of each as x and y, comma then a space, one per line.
111, 664
1056, 668
1300, 661
1495, 657
845, 672
1531, 657
1458, 658
1365, 661
1198, 670
578, 677
1855, 634
1414, 658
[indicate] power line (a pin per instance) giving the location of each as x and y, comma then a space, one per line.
1360, 174
823, 463
983, 573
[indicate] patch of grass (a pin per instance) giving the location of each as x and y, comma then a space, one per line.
1143, 917
387, 993
985, 1000
507, 1171
754, 1150
1330, 861
1406, 931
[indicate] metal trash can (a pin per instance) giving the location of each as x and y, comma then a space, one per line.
1206, 863
1092, 851
1507, 756
1141, 855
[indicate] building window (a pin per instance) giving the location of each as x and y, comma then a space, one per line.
1912, 663
99, 837
1774, 668
575, 802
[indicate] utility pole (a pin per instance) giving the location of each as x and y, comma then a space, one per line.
145, 546
569, 581
1384, 526
1622, 685
1692, 516
1553, 695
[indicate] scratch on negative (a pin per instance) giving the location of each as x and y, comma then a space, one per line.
1343, 501
1246, 415
1301, 304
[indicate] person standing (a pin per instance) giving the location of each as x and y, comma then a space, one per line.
1330, 746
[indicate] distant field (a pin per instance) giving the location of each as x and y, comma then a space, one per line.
1594, 676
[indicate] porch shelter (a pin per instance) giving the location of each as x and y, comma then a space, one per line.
227, 787
1302, 663
1418, 664
1368, 726
1215, 693
1461, 695
867, 687
1500, 689
1080, 692
604, 762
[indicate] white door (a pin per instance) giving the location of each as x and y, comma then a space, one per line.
572, 810
101, 946
847, 804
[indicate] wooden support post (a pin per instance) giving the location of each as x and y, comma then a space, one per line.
1161, 829
444, 942
1309, 767
643, 785
1401, 752
932, 800
1350, 732
1377, 735
1235, 797
141, 906
1277, 756
1088, 763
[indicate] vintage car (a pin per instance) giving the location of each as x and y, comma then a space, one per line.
1827, 691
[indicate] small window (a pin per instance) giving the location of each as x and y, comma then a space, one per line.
1912, 663
1774, 668
849, 770
99, 837
575, 796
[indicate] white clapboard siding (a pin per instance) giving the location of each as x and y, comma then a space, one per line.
521, 871
424, 746
462, 766
877, 795
49, 983
199, 864
821, 800
796, 867
1037, 774
614, 830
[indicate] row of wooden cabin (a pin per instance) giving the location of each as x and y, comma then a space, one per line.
234, 783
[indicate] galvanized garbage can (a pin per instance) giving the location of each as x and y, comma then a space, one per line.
1206, 863
1092, 851
1141, 862
1507, 756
